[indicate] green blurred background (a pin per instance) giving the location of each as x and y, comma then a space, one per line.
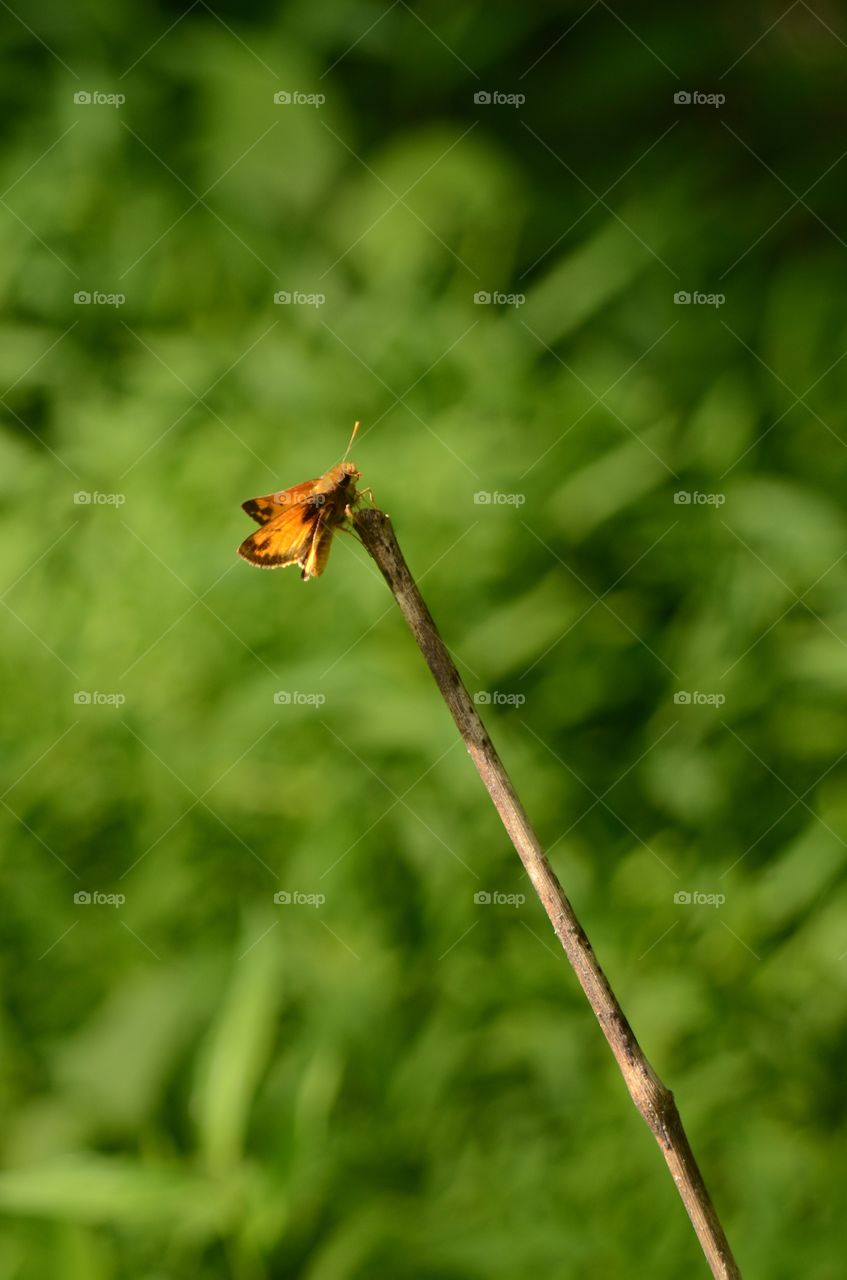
395, 1078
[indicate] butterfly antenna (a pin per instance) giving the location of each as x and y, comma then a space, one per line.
352, 438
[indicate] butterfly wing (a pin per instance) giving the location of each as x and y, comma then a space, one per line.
285, 538
318, 554
333, 493
297, 523
262, 510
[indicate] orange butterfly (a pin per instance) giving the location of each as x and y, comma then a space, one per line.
298, 523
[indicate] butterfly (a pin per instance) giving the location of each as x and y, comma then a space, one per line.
298, 523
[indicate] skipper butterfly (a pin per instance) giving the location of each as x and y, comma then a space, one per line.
298, 523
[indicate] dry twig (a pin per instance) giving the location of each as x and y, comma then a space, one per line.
654, 1101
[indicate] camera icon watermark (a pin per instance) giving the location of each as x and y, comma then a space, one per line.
93, 698
682, 898
296, 298
494, 898
694, 498
696, 98
687, 298
693, 698
485, 298
84, 898
86, 498
294, 98
94, 98
494, 498
496, 698
296, 698
96, 298
496, 98
294, 898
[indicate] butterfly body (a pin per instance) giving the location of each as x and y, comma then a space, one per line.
297, 524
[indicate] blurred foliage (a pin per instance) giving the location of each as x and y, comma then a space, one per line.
401, 1081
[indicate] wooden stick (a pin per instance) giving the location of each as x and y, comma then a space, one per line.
654, 1101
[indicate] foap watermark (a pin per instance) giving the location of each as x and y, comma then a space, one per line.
294, 98
497, 98
93, 698
294, 898
683, 898
696, 98
86, 898
495, 698
494, 498
285, 498
94, 98
693, 698
296, 298
694, 498
494, 898
95, 298
89, 498
484, 298
295, 698
687, 298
